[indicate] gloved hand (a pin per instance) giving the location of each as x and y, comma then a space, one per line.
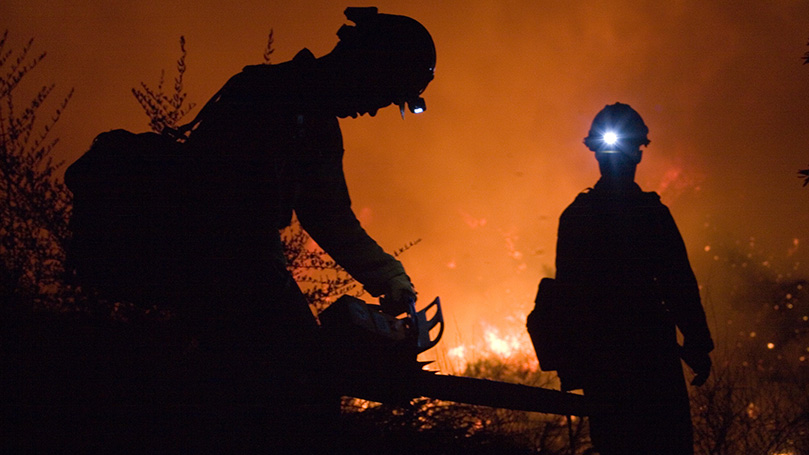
700, 363
400, 293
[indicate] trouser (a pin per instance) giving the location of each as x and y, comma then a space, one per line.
264, 377
640, 414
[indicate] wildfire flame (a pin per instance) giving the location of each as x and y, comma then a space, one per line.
507, 345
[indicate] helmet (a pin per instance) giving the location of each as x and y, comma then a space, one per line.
617, 128
398, 48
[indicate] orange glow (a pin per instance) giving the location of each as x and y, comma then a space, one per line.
484, 174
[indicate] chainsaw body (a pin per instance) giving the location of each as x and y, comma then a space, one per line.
376, 354
361, 336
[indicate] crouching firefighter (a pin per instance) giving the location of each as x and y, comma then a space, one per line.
623, 287
266, 145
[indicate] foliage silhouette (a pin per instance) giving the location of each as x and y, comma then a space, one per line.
35, 204
742, 410
269, 49
165, 110
319, 276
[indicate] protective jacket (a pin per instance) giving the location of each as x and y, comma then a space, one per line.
623, 265
622, 257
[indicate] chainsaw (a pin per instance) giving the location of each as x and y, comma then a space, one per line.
364, 337
378, 358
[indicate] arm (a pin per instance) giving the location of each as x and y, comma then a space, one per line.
681, 295
680, 289
324, 209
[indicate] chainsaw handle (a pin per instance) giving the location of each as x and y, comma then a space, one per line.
424, 325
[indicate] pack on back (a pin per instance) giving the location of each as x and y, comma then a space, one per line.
553, 328
133, 198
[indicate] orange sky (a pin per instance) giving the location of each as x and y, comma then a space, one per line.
482, 177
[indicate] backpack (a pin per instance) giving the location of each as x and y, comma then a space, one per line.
559, 331
132, 198
546, 326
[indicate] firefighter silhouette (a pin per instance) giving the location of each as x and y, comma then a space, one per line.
189, 219
268, 144
623, 265
271, 145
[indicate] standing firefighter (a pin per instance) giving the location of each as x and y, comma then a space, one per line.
267, 144
622, 266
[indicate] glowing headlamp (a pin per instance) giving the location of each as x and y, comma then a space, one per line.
415, 105
610, 140
613, 143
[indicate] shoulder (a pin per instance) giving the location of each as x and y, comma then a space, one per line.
581, 204
651, 201
276, 82
650, 205
584, 197
303, 60
650, 197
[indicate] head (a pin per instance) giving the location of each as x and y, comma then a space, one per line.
383, 59
616, 135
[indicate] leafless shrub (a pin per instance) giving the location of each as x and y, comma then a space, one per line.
35, 204
741, 409
165, 110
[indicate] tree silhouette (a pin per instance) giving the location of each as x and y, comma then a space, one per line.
35, 204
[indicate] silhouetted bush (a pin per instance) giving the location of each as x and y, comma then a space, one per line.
35, 204
742, 410
165, 110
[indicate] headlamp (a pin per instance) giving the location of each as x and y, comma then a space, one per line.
613, 143
416, 105
617, 129
610, 140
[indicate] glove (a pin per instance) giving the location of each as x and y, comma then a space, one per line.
398, 296
700, 363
